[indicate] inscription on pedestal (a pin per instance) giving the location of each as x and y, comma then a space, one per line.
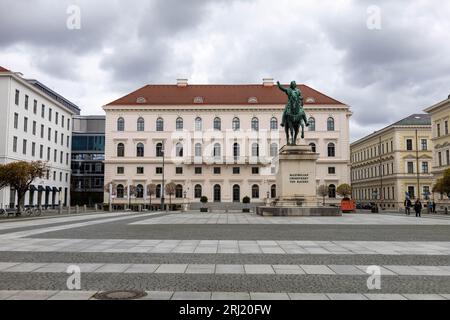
299, 178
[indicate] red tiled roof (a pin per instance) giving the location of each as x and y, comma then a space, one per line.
3, 69
218, 95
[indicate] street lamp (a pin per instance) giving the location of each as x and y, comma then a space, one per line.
163, 152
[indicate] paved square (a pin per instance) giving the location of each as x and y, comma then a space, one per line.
222, 256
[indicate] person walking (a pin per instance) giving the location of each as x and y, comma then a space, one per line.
434, 206
418, 208
407, 207
430, 207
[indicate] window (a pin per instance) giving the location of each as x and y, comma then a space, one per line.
236, 170
217, 124
43, 111
255, 124
198, 124
217, 150
140, 150
16, 99
236, 124
49, 136
159, 170
255, 170
179, 124
216, 170
312, 124
56, 136
68, 124
410, 166
24, 146
198, 149
16, 120
120, 170
179, 170
56, 117
62, 139
140, 124
14, 144
159, 124
438, 127
255, 150
158, 191
446, 127
331, 170
121, 150
198, 170
61, 157
34, 106
48, 154
236, 150
140, 170
68, 141
179, 191
273, 150
424, 145
331, 150
236, 193
409, 144
49, 114
139, 191
179, 150
62, 121
447, 153
42, 131
332, 191
120, 191
34, 128
330, 124
26, 102
411, 192
313, 147
273, 191
41, 151
217, 193
424, 167
273, 124
255, 191
120, 124
197, 191
33, 149
440, 158
159, 150
55, 155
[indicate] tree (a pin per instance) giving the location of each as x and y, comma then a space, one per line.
20, 175
170, 191
442, 185
323, 192
344, 190
151, 190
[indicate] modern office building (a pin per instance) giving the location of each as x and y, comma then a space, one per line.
393, 163
36, 124
218, 141
88, 154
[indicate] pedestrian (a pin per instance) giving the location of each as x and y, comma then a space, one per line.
407, 207
418, 208
430, 207
434, 206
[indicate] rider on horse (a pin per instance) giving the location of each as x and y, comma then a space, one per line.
295, 99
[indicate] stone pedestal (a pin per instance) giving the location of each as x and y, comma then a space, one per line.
296, 185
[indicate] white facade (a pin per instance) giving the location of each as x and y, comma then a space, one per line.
35, 126
209, 148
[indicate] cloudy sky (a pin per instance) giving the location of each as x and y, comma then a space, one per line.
386, 61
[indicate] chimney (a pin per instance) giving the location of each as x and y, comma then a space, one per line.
268, 82
182, 82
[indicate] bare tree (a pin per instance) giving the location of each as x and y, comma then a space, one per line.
170, 191
151, 190
323, 192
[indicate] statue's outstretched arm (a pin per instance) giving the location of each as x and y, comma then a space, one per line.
281, 87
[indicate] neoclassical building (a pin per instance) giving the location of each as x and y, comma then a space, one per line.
218, 141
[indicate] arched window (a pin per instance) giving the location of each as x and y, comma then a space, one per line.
197, 191
255, 191
236, 193
273, 150
139, 191
140, 124
120, 124
236, 124
312, 124
217, 193
159, 149
179, 150
179, 191
198, 124
332, 191
159, 124
120, 191
121, 150
140, 150
255, 124
158, 191
273, 191
274, 124
198, 149
217, 150
179, 124
331, 150
330, 124
255, 150
313, 147
217, 124
236, 150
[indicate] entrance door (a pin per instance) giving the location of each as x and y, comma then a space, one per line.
217, 193
236, 193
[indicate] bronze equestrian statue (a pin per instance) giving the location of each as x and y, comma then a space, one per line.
294, 115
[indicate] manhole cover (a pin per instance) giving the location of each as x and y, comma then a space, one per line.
120, 295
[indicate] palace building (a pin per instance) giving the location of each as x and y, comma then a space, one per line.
218, 141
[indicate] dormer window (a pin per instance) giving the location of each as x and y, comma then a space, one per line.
198, 100
141, 100
252, 100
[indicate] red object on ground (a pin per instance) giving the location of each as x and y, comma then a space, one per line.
348, 205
